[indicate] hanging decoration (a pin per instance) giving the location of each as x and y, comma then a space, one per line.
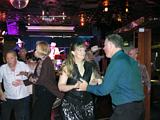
106, 5
19, 4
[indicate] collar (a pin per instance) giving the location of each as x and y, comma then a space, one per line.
116, 54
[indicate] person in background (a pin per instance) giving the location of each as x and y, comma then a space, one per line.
19, 45
53, 50
77, 105
31, 60
122, 81
133, 52
96, 54
22, 53
90, 58
45, 84
13, 98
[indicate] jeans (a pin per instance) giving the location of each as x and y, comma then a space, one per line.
20, 108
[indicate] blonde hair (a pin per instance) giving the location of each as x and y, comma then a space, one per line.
43, 48
67, 66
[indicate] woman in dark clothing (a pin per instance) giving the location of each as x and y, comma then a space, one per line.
76, 105
45, 85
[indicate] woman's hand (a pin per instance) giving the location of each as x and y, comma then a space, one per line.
82, 86
76, 86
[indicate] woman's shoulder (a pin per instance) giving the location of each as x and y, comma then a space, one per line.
48, 62
47, 59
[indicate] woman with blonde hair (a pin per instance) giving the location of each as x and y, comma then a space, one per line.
76, 105
45, 85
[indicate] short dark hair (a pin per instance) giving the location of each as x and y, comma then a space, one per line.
116, 39
9, 52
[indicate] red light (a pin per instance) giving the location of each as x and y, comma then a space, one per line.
82, 20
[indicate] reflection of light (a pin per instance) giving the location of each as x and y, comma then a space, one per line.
106, 4
126, 10
156, 54
82, 24
134, 24
51, 28
49, 18
28, 18
86, 37
52, 17
119, 19
126, 7
63, 17
155, 81
1, 40
141, 29
82, 19
42, 12
54, 36
126, 43
3, 32
106, 9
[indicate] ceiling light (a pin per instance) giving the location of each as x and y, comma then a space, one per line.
106, 9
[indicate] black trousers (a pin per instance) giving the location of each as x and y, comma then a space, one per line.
42, 106
129, 111
19, 107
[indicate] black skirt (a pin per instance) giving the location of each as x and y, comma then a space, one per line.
77, 109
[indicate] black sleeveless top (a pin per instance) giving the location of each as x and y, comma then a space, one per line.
80, 95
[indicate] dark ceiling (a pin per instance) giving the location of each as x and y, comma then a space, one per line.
67, 12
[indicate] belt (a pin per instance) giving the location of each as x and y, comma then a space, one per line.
137, 101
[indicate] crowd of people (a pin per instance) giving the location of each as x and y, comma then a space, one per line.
29, 85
